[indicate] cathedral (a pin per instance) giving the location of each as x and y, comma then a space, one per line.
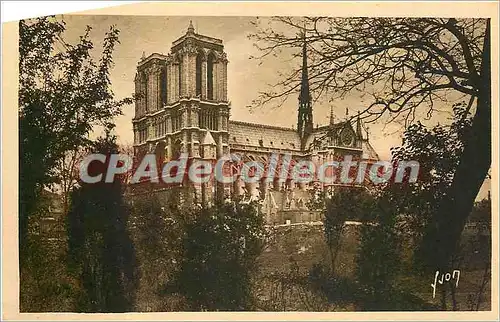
182, 108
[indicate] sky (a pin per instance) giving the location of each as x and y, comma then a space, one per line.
246, 77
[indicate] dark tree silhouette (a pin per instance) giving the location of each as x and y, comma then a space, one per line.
438, 151
378, 259
220, 245
345, 204
63, 93
100, 250
403, 64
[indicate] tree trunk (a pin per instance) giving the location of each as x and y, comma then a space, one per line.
334, 256
472, 170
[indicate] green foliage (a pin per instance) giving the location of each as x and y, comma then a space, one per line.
438, 151
102, 255
220, 248
338, 289
480, 257
63, 93
156, 226
47, 285
157, 229
378, 257
378, 253
481, 213
344, 204
348, 54
318, 198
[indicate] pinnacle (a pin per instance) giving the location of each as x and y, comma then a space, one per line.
190, 28
208, 139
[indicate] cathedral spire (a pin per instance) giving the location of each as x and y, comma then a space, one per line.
358, 128
332, 116
305, 122
190, 28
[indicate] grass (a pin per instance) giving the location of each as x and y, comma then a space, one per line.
298, 248
283, 281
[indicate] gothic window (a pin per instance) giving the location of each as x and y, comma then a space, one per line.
163, 128
210, 76
179, 68
201, 120
163, 85
142, 134
160, 154
160, 128
144, 93
199, 59
176, 121
208, 119
176, 149
137, 91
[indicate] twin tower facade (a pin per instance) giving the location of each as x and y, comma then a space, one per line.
181, 99
182, 107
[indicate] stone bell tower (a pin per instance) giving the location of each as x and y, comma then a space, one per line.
180, 98
196, 100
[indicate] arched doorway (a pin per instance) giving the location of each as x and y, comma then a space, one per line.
176, 149
160, 153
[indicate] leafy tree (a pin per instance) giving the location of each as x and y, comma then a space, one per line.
157, 229
345, 204
101, 252
403, 65
47, 285
63, 93
481, 213
438, 151
220, 248
67, 171
379, 255
481, 243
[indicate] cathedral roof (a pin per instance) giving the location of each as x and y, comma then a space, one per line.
151, 57
191, 33
261, 135
369, 152
208, 139
320, 132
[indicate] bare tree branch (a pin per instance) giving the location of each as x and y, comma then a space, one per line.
402, 63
